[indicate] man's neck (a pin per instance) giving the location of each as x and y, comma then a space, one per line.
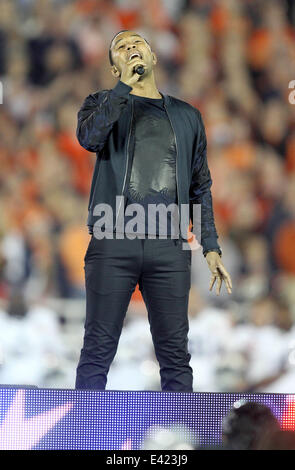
146, 90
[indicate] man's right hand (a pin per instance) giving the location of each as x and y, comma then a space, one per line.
128, 76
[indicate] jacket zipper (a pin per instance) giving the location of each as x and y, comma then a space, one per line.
176, 165
127, 158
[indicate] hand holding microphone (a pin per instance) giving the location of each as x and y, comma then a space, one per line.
132, 71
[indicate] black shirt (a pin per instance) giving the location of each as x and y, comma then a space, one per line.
152, 166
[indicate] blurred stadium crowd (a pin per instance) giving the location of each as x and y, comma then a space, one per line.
233, 60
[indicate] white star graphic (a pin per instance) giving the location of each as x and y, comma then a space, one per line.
19, 433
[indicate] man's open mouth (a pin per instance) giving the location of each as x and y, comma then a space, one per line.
134, 54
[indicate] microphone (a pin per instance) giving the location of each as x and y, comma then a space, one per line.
139, 69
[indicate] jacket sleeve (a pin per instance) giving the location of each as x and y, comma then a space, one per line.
200, 190
98, 115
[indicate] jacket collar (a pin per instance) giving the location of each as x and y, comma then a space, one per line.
166, 97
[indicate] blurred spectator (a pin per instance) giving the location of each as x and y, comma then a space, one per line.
175, 437
280, 440
245, 425
30, 343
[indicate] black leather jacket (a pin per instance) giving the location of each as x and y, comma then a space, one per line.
104, 127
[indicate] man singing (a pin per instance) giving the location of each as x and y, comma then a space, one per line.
150, 150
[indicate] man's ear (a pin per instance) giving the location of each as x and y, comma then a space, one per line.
116, 73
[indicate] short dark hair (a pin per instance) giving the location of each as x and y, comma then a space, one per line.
110, 52
245, 425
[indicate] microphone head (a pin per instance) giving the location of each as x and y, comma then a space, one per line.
139, 69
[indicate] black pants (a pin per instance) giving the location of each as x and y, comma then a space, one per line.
113, 267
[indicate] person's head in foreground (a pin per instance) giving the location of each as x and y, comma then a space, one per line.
246, 424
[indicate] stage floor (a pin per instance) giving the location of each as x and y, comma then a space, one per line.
32, 418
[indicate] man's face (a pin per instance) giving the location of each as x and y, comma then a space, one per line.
127, 43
